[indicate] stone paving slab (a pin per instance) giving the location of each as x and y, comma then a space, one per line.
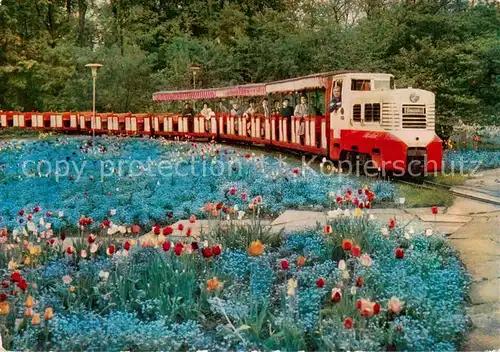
424, 211
464, 206
485, 270
487, 180
480, 228
447, 228
298, 215
445, 218
402, 218
389, 211
299, 225
486, 291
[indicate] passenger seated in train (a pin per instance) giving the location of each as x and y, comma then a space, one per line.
222, 107
336, 101
207, 114
276, 107
265, 107
302, 110
265, 113
189, 113
250, 112
287, 112
236, 112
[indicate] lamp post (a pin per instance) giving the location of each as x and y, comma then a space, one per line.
195, 70
94, 68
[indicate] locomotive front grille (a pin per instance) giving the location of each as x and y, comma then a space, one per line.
414, 116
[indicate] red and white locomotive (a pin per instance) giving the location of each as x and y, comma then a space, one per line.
360, 117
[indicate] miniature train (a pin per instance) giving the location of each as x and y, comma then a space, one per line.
357, 117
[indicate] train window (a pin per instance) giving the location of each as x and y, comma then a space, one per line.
356, 112
382, 85
376, 112
368, 112
360, 84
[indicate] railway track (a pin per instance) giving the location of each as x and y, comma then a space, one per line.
464, 193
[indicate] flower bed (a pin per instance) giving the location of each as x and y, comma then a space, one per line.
145, 180
467, 160
353, 285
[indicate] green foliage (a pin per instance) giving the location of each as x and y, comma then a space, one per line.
450, 48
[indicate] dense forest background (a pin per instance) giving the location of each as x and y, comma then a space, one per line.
450, 47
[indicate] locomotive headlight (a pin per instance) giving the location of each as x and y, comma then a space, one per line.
414, 97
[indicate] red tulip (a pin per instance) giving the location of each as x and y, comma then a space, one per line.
347, 245
126, 246
110, 250
168, 231
91, 238
328, 229
284, 264
392, 223
216, 250
15, 277
21, 212
22, 284
207, 252
218, 206
360, 281
376, 308
400, 253
320, 282
5, 284
3, 297
136, 228
166, 246
434, 210
348, 323
36, 209
70, 250
30, 217
232, 191
180, 227
192, 219
106, 222
156, 229
358, 304
188, 232
178, 248
356, 251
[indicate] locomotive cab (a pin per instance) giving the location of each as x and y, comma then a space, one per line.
392, 129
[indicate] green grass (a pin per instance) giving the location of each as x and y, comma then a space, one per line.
449, 180
421, 197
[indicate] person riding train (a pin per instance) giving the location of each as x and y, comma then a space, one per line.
302, 111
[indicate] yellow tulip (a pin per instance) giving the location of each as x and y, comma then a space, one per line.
49, 313
4, 308
36, 319
29, 302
